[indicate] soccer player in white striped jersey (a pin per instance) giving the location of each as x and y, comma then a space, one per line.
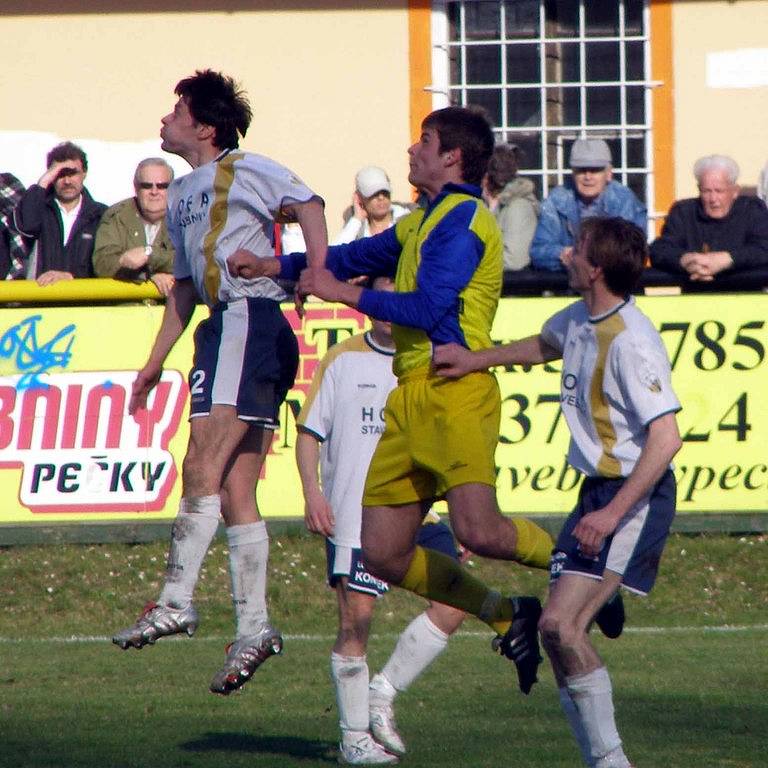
339, 428
618, 401
245, 360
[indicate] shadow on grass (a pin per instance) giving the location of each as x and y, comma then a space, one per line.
291, 746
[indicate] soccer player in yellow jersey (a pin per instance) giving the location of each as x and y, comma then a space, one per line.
440, 436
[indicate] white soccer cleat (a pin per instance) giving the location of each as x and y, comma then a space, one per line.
244, 657
384, 728
157, 621
364, 751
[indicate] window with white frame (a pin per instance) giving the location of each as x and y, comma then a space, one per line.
549, 72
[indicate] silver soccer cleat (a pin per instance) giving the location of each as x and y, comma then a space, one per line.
157, 621
364, 751
244, 657
384, 728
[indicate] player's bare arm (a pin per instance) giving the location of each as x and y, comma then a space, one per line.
662, 445
323, 284
246, 264
318, 515
453, 360
179, 307
311, 218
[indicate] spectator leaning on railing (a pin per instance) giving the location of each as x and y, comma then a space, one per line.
715, 232
132, 241
60, 215
590, 192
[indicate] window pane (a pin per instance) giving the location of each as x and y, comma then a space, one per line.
524, 106
637, 182
614, 145
564, 106
563, 63
602, 61
482, 21
635, 54
454, 60
522, 18
483, 64
633, 17
490, 100
454, 21
603, 107
562, 17
636, 152
636, 105
523, 65
601, 17
530, 148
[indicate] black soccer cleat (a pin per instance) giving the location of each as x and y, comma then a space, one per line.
521, 641
610, 618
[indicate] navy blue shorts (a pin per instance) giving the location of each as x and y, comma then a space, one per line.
634, 549
246, 355
348, 561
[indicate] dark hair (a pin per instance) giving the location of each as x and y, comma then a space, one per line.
502, 167
66, 151
466, 129
215, 99
618, 247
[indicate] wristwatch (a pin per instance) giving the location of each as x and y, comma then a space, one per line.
147, 250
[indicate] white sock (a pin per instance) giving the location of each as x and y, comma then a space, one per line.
350, 678
248, 556
574, 720
420, 643
593, 697
193, 530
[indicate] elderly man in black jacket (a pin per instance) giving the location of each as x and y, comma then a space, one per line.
60, 216
716, 231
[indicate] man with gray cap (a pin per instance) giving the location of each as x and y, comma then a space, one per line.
590, 192
372, 208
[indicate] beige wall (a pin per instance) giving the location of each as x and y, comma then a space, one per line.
328, 81
732, 121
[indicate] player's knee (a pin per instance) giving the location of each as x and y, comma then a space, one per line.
557, 631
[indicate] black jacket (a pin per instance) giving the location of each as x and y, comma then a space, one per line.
743, 233
37, 216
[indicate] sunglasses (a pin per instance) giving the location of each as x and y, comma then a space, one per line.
151, 184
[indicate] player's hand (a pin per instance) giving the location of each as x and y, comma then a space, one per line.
452, 361
319, 282
164, 282
318, 515
145, 381
592, 530
245, 264
53, 276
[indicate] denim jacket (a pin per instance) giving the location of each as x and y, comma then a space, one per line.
560, 218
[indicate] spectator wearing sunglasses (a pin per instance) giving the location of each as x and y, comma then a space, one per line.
59, 216
132, 241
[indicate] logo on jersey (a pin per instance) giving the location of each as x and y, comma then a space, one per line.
649, 378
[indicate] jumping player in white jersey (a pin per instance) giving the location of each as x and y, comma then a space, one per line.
618, 401
339, 427
245, 360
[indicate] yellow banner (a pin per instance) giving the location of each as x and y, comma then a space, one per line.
70, 451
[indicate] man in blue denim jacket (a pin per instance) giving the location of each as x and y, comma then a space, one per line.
591, 192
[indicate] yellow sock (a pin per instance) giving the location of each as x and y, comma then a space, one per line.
438, 577
534, 544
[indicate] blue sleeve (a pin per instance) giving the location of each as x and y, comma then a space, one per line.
449, 257
635, 212
548, 240
373, 256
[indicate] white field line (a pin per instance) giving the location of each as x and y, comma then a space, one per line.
329, 638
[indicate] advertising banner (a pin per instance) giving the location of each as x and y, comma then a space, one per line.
70, 451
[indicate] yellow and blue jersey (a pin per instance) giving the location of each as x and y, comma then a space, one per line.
446, 261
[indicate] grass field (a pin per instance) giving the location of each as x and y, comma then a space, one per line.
690, 673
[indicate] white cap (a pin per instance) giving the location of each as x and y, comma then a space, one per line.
370, 180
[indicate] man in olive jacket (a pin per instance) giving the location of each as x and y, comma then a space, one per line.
132, 241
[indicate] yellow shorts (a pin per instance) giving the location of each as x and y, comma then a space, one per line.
439, 433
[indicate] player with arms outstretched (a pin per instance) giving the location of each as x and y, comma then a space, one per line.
245, 359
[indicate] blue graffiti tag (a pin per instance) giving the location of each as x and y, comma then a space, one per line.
33, 359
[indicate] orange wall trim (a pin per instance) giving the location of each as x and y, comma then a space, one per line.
420, 61
662, 70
